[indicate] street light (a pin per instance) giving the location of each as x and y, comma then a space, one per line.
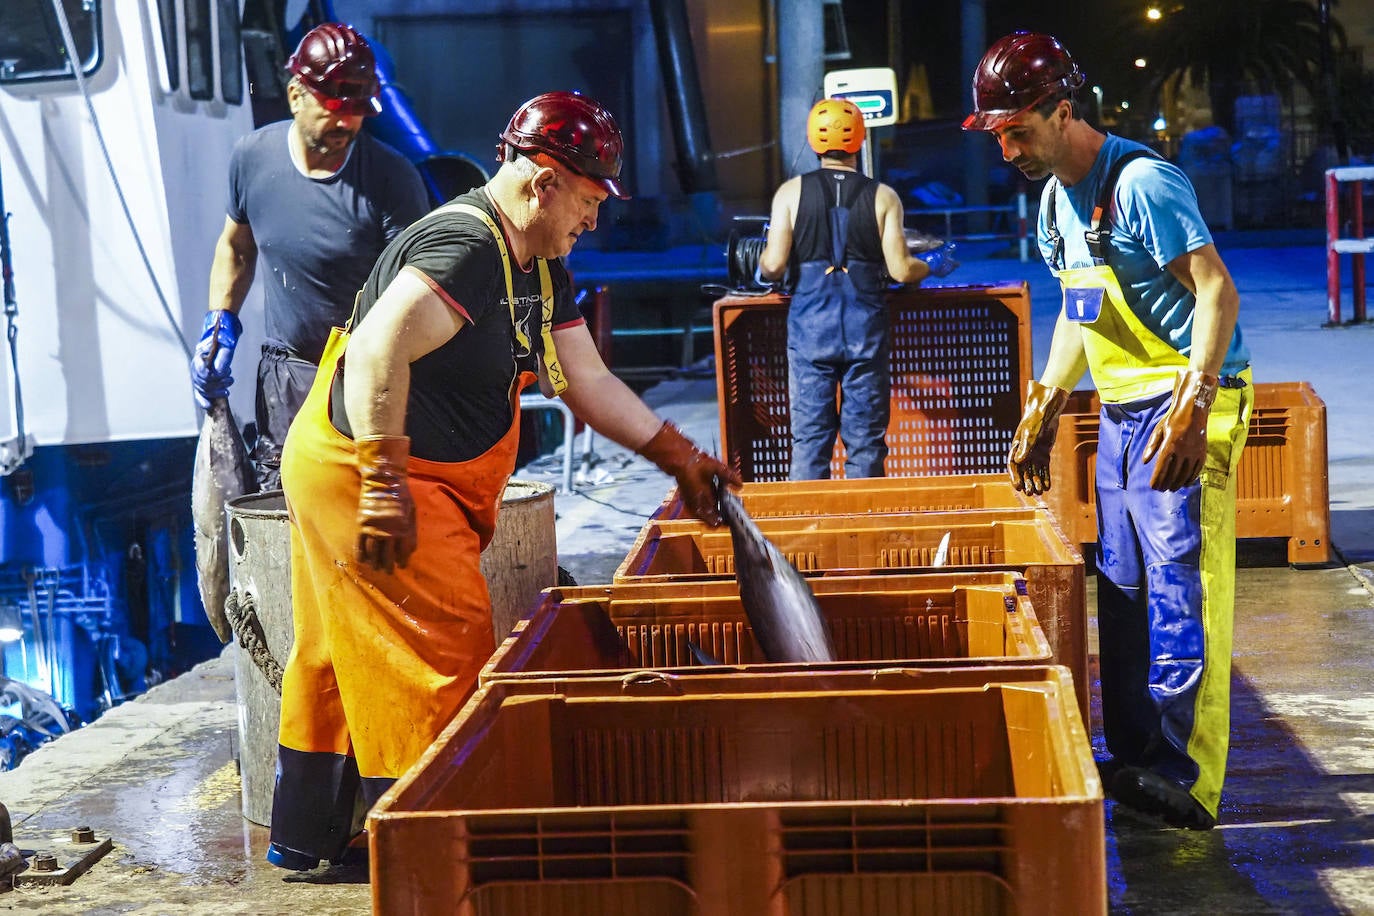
1154, 14
1140, 63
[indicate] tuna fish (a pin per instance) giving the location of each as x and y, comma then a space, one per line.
222, 473
781, 607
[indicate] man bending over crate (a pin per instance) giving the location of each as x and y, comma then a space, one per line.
395, 467
1150, 309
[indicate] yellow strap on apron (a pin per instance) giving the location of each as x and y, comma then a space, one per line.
1128, 361
551, 364
552, 367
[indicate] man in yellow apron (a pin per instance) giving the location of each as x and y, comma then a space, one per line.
395, 466
1150, 309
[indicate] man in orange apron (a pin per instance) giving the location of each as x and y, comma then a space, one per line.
395, 467
1150, 309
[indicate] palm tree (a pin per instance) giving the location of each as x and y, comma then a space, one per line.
1235, 46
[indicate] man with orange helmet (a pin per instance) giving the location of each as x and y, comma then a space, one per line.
319, 200
395, 468
842, 230
1150, 309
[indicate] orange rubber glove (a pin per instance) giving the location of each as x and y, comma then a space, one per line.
1181, 437
1028, 463
386, 513
696, 471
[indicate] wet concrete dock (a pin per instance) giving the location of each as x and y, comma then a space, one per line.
1297, 836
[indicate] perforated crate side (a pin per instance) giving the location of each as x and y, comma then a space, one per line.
958, 370
869, 496
751, 360
1024, 540
1281, 481
927, 620
960, 357
828, 795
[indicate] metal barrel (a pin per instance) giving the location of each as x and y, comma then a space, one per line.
259, 609
522, 558
520, 562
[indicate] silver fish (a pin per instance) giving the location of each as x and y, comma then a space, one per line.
222, 472
941, 552
781, 607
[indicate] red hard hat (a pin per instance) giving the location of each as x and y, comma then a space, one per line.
575, 130
1018, 72
835, 124
335, 63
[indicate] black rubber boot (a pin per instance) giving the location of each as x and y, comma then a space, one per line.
1107, 770
1151, 793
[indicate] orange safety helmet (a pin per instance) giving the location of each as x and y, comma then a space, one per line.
574, 129
336, 64
835, 124
1018, 72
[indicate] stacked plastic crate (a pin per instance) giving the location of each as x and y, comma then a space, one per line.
632, 751
1281, 486
959, 360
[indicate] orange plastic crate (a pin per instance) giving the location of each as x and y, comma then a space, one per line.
960, 359
973, 618
1026, 541
966, 790
1281, 486
870, 495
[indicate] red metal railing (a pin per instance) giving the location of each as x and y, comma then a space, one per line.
1357, 246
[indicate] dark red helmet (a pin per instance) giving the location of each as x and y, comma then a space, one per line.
575, 130
1018, 72
335, 63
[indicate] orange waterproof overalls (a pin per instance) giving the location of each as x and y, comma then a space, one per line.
381, 661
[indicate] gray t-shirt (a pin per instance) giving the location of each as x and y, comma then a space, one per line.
318, 238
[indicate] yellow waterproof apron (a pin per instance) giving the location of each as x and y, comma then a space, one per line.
1129, 364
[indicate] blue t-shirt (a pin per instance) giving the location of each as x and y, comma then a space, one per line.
1155, 220
318, 238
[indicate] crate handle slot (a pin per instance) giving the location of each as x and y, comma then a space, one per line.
898, 678
639, 681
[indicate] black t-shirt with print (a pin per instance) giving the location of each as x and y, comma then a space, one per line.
459, 404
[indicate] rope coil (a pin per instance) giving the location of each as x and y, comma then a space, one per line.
243, 620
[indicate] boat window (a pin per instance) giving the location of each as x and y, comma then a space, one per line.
31, 41
200, 51
171, 41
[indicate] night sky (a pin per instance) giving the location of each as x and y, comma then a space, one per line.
931, 36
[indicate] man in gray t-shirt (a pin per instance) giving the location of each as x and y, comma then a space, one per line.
319, 200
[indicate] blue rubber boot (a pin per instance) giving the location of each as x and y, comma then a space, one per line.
282, 857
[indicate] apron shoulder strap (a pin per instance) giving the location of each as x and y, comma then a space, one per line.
552, 367
1052, 233
1100, 231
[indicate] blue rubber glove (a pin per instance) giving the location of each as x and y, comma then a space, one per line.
210, 375
939, 260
